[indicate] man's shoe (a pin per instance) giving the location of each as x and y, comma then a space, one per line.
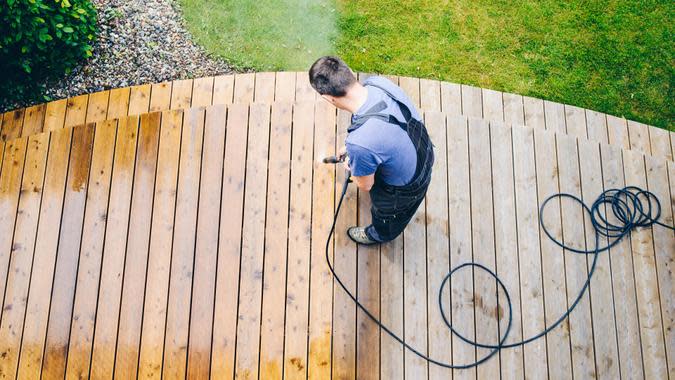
359, 236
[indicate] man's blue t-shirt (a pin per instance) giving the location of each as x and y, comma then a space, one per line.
380, 146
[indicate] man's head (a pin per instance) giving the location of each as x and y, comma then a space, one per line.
331, 78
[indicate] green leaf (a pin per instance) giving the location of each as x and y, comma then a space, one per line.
59, 25
68, 29
81, 11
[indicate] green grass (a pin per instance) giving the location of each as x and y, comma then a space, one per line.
611, 56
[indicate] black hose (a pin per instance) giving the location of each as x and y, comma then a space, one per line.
631, 206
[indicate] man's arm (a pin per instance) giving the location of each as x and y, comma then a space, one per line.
364, 183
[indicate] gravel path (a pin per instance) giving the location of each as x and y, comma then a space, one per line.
140, 41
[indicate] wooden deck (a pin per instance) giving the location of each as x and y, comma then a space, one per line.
189, 242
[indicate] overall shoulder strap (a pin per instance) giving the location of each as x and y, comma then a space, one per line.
407, 113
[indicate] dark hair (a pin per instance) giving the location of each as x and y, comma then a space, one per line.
331, 76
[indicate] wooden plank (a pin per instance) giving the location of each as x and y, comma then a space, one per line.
438, 245
472, 101
575, 120
506, 243
321, 283
206, 251
21, 260
184, 239
2, 155
392, 78
244, 88
76, 111
617, 129
451, 98
345, 264
430, 95
39, 296
89, 269
229, 245
531, 285
596, 124
644, 262
97, 108
160, 96
181, 94
303, 90
284, 87
65, 274
554, 114
576, 269
411, 86
638, 135
33, 120
514, 109
486, 306
602, 300
659, 142
276, 241
114, 249
623, 284
223, 89
299, 236
459, 210
12, 123
159, 255
664, 249
138, 241
202, 92
55, 115
264, 87
534, 112
391, 308
552, 256
139, 99
493, 105
362, 77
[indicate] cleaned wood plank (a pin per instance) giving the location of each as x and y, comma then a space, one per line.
202, 92
118, 106
303, 90
576, 269
438, 247
411, 86
12, 123
638, 135
554, 114
493, 105
55, 115
472, 101
264, 87
617, 129
138, 242
112, 266
159, 255
602, 300
391, 308
33, 120
575, 120
531, 284
514, 109
184, 238
223, 89
596, 124
206, 250
392, 78
276, 242
659, 141
430, 95
459, 210
623, 283
39, 296
244, 88
552, 256
139, 99
253, 244
284, 87
644, 262
506, 243
76, 111
89, 269
181, 94
321, 283
97, 108
21, 260
534, 112
229, 244
451, 98
299, 235
160, 96
65, 274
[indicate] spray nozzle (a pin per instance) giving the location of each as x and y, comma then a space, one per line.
334, 159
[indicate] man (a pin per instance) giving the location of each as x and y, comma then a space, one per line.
388, 148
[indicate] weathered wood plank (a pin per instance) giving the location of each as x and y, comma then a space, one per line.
411, 86
472, 101
451, 98
554, 114
534, 112
139, 99
430, 95
160, 96
514, 109
575, 120
264, 87
391, 308
202, 92
493, 105
638, 135
223, 89
244, 88
596, 123
181, 94
284, 87
659, 141
303, 90
617, 129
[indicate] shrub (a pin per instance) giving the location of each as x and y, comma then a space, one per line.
42, 38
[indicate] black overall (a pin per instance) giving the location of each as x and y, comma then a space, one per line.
394, 206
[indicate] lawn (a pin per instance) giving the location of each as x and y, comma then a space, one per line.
611, 56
